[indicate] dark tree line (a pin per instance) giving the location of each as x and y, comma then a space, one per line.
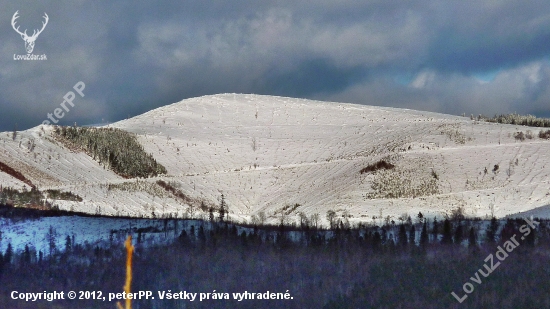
346, 267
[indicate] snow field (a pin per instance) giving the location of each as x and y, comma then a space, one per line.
265, 152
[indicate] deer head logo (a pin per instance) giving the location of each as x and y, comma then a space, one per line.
29, 40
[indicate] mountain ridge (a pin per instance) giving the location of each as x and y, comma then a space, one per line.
264, 153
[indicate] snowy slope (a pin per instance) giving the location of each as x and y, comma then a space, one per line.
265, 152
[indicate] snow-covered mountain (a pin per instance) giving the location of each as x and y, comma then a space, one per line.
268, 153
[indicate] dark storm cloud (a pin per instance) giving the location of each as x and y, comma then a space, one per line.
490, 36
311, 77
137, 55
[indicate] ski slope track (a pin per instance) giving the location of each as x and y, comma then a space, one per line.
264, 153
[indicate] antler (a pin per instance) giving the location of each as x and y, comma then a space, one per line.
43, 26
15, 16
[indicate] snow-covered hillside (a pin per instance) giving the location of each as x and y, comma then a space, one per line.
264, 153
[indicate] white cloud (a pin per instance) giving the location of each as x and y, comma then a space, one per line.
423, 80
524, 89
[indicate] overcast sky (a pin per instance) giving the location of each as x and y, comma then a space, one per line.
453, 57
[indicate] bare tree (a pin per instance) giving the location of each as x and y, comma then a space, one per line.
262, 216
457, 214
331, 215
304, 221
346, 214
387, 220
314, 219
14, 134
283, 218
403, 217
254, 144
191, 210
492, 209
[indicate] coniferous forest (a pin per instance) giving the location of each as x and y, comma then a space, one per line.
114, 148
411, 264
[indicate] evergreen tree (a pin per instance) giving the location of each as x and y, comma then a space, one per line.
530, 239
183, 238
223, 209
243, 239
435, 229
50, 238
376, 241
201, 236
27, 255
402, 236
211, 214
472, 239
447, 233
509, 229
424, 235
412, 236
420, 217
68, 244
492, 230
458, 234
9, 254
